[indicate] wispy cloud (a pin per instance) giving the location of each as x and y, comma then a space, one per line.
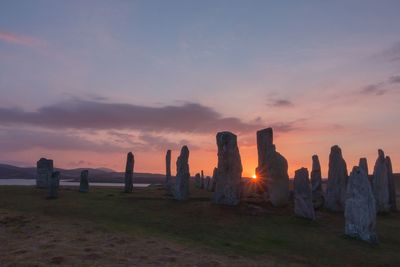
381, 88
19, 39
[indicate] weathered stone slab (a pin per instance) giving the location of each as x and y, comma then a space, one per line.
303, 205
202, 180
380, 183
363, 164
272, 169
392, 185
360, 210
84, 182
44, 169
229, 172
130, 162
197, 180
168, 171
318, 198
53, 185
181, 191
213, 181
337, 181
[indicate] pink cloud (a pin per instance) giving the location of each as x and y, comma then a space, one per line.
13, 38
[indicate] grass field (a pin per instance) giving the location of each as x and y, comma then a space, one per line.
256, 235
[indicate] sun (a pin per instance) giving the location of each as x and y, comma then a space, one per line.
254, 176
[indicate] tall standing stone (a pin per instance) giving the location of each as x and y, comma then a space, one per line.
363, 164
360, 211
316, 183
202, 180
213, 181
168, 182
229, 172
44, 169
303, 205
84, 182
181, 191
197, 180
53, 185
337, 180
207, 182
392, 185
130, 162
272, 169
380, 183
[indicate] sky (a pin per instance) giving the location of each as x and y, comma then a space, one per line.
84, 82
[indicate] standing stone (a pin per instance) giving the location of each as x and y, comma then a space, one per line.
181, 191
303, 205
316, 183
130, 162
360, 211
392, 185
337, 180
207, 182
44, 169
202, 180
229, 172
53, 185
380, 183
197, 180
363, 164
168, 170
84, 183
213, 181
272, 169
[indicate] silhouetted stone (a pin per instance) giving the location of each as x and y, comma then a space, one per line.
229, 172
360, 211
337, 181
272, 169
44, 169
53, 185
84, 183
168, 170
392, 185
181, 191
197, 180
207, 182
316, 183
202, 180
213, 181
130, 162
303, 205
380, 183
363, 164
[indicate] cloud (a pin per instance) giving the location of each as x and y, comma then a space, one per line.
281, 103
392, 53
377, 89
76, 114
18, 39
394, 79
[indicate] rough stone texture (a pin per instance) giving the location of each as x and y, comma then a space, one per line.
337, 180
84, 183
229, 171
207, 182
168, 170
363, 164
181, 191
130, 162
44, 169
303, 205
380, 184
213, 181
318, 198
360, 211
53, 185
272, 169
197, 180
392, 185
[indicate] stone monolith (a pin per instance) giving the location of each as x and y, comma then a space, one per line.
303, 205
53, 185
316, 183
360, 211
337, 180
181, 191
197, 180
44, 169
380, 183
272, 169
229, 171
363, 164
130, 162
168, 170
84, 182
392, 185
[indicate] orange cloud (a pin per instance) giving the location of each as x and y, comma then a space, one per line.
13, 38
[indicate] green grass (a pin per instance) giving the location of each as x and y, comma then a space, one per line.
199, 223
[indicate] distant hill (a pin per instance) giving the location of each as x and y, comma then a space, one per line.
95, 174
